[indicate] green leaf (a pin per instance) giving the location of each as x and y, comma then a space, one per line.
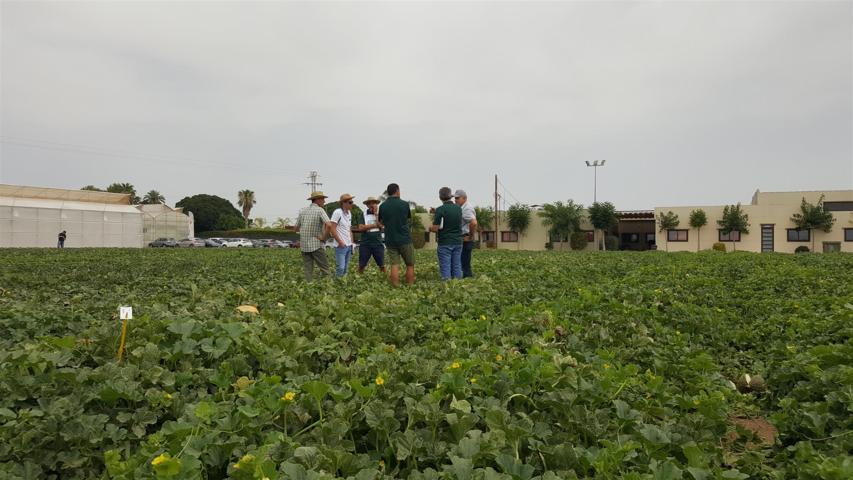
316, 389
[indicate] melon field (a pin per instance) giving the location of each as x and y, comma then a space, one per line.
546, 365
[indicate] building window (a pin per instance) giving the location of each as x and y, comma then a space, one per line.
797, 235
733, 236
487, 237
676, 235
509, 236
838, 206
630, 237
848, 234
651, 238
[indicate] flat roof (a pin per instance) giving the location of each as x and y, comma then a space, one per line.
45, 193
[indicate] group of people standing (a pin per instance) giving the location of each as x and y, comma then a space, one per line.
453, 223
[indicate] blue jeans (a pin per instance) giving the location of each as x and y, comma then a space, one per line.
450, 261
342, 257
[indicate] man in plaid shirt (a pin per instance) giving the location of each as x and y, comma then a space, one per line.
313, 226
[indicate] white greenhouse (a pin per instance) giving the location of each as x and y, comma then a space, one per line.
34, 216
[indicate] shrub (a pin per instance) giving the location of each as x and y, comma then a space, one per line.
719, 246
577, 241
611, 242
802, 249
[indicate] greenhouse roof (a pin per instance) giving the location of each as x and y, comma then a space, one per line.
44, 193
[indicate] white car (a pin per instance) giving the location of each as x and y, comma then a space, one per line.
237, 242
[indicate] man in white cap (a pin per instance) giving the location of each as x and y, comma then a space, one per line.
341, 230
469, 225
312, 224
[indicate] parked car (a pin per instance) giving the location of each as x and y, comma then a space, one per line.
295, 244
214, 242
191, 242
237, 242
260, 242
283, 243
163, 243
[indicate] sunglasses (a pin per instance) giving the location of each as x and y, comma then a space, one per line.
349, 202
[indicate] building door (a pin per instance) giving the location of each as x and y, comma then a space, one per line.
767, 238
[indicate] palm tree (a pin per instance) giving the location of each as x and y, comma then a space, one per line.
124, 188
153, 196
246, 200
281, 223
562, 219
259, 222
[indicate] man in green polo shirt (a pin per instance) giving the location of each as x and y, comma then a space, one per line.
447, 221
395, 216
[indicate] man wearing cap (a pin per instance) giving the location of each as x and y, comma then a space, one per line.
394, 216
371, 237
312, 224
447, 221
342, 231
469, 225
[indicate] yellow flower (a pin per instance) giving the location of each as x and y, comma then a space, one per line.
167, 396
455, 365
473, 379
380, 381
247, 458
483, 317
606, 366
499, 357
289, 396
696, 402
236, 466
160, 459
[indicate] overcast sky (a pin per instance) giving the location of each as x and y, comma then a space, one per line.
690, 103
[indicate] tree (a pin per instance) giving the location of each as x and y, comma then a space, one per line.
667, 221
734, 220
698, 219
153, 196
259, 222
92, 188
124, 188
485, 220
357, 213
211, 212
602, 216
811, 217
562, 219
246, 200
418, 229
281, 222
518, 219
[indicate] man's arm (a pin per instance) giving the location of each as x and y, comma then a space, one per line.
436, 221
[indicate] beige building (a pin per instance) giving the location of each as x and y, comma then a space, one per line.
770, 229
635, 230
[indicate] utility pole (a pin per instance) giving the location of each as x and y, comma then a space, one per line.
497, 196
312, 181
595, 165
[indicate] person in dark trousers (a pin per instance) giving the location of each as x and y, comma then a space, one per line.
448, 223
371, 245
61, 242
469, 226
394, 216
313, 225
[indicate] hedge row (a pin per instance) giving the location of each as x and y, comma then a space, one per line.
273, 233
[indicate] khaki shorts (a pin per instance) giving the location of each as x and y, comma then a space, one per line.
406, 252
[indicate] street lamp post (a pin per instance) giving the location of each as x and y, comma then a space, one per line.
595, 165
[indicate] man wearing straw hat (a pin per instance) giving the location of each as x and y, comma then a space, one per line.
341, 229
312, 224
371, 237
